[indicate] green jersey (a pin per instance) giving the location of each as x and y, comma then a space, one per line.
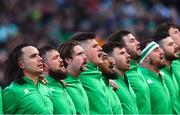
173, 88
159, 94
140, 88
175, 70
62, 102
114, 100
1, 105
27, 98
77, 94
92, 82
126, 95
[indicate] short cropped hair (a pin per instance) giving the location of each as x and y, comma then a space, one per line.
158, 36
109, 47
118, 35
82, 36
145, 43
43, 50
165, 27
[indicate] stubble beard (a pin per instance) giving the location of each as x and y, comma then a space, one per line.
59, 75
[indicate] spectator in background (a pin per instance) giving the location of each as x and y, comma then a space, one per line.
58, 19
27, 93
56, 72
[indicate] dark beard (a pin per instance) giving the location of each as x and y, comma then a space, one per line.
159, 65
136, 57
109, 75
133, 55
81, 69
171, 58
58, 75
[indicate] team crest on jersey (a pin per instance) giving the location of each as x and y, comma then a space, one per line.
52, 89
149, 81
26, 91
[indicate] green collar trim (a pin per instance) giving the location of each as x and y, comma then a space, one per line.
151, 73
70, 78
53, 81
29, 80
133, 65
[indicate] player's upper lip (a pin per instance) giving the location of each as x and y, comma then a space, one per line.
162, 57
111, 66
61, 64
128, 61
138, 48
84, 63
99, 54
41, 65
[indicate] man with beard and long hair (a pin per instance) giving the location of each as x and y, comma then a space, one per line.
171, 53
27, 92
134, 76
56, 72
152, 60
108, 71
75, 62
124, 91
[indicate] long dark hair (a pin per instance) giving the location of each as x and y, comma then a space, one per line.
12, 71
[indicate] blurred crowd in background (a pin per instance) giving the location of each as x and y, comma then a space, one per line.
50, 22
